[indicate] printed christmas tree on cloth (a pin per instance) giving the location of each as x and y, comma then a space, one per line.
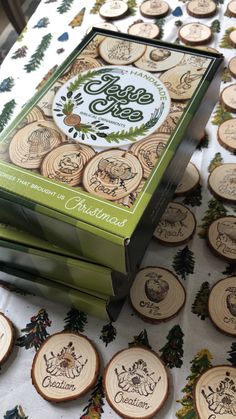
36, 332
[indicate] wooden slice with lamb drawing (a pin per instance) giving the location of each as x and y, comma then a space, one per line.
222, 182
222, 238
154, 8
136, 383
113, 9
65, 367
228, 97
189, 181
195, 33
232, 66
7, 334
120, 51
227, 134
215, 393
156, 294
222, 305
201, 8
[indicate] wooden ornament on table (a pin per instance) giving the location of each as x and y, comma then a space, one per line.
189, 181
154, 8
135, 382
65, 367
120, 52
222, 182
145, 29
195, 33
232, 67
201, 9
231, 8
227, 134
207, 49
7, 335
158, 59
103, 25
228, 97
232, 37
114, 9
222, 238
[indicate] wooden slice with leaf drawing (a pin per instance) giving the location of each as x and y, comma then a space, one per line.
189, 181
228, 97
221, 237
158, 59
232, 67
222, 182
114, 9
154, 8
227, 134
195, 33
120, 51
136, 383
146, 29
7, 335
201, 8
156, 294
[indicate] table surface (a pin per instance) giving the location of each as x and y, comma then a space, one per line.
190, 338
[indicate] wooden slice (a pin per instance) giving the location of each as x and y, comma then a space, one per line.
45, 103
222, 238
136, 383
158, 59
232, 66
31, 143
189, 181
149, 151
156, 294
214, 393
228, 97
67, 162
176, 226
114, 9
227, 134
222, 305
222, 182
195, 33
83, 63
92, 49
7, 334
154, 8
145, 29
182, 81
65, 367
201, 8
231, 8
207, 49
232, 37
103, 25
119, 51
172, 120
36, 114
112, 174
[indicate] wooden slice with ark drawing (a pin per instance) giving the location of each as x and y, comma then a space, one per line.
221, 237
120, 51
195, 33
7, 336
227, 134
154, 8
201, 8
189, 181
232, 67
113, 9
158, 59
228, 97
222, 182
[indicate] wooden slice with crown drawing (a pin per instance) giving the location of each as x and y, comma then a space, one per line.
66, 163
156, 294
232, 67
7, 334
31, 143
227, 134
158, 59
65, 367
228, 97
221, 237
136, 383
114, 9
195, 33
189, 181
83, 63
232, 37
177, 225
222, 305
222, 182
145, 29
231, 8
201, 8
215, 393
154, 8
112, 174
120, 52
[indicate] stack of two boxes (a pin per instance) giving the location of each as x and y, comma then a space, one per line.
81, 167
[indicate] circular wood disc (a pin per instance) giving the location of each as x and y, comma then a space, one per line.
120, 52
157, 294
222, 237
136, 383
201, 8
113, 9
154, 8
177, 225
195, 33
207, 49
158, 59
227, 134
232, 37
6, 338
112, 174
222, 305
92, 49
228, 97
231, 8
145, 29
45, 103
182, 81
222, 182
67, 162
232, 66
149, 150
103, 25
79, 65
65, 367
31, 143
214, 393
189, 181
171, 122
35, 114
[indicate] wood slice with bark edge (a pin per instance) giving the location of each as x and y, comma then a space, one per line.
150, 295
193, 9
178, 218
232, 37
36, 114
207, 49
145, 29
228, 97
104, 178
195, 33
128, 357
92, 49
189, 181
103, 25
226, 134
221, 309
212, 375
158, 59
222, 182
232, 66
60, 339
66, 163
231, 8
161, 10
106, 11
80, 64
107, 45
176, 111
7, 338
221, 236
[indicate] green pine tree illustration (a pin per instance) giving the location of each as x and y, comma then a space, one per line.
194, 199
75, 320
160, 23
183, 262
96, 6
220, 115
200, 304
199, 364
132, 4
225, 41
226, 76
36, 332
215, 26
16, 413
215, 162
215, 210
108, 333
7, 84
94, 408
172, 353
230, 269
20, 52
141, 339
7, 111
204, 142
65, 6
38, 56
232, 354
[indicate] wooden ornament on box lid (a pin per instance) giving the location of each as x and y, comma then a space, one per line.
7, 334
